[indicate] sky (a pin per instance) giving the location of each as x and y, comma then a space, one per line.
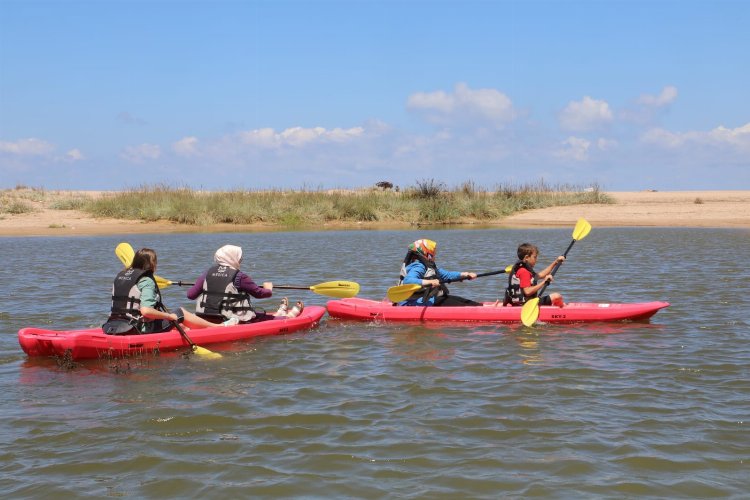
227, 95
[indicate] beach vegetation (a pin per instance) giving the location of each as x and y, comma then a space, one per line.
427, 202
15, 206
68, 202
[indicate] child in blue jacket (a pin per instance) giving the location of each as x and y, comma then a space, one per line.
419, 268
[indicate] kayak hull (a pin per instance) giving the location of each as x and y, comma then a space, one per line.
94, 343
576, 312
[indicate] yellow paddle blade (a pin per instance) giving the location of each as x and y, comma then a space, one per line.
530, 312
582, 229
402, 292
125, 253
339, 289
203, 352
162, 282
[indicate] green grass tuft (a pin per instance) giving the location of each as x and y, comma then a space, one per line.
427, 202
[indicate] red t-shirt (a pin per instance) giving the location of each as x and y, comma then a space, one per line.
525, 277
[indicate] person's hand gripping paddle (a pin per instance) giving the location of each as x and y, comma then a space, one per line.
403, 292
530, 311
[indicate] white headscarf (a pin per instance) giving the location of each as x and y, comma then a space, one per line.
229, 255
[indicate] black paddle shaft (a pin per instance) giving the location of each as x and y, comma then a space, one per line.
429, 289
285, 287
180, 329
554, 269
492, 273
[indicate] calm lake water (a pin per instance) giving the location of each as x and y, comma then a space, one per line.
356, 410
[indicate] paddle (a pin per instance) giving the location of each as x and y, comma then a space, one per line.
403, 292
200, 351
125, 253
340, 289
530, 311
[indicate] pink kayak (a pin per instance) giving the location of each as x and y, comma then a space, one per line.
576, 312
93, 343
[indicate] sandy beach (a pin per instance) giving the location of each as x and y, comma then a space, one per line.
649, 208
643, 208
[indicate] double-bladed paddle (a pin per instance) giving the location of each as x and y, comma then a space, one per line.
530, 310
126, 254
338, 289
403, 292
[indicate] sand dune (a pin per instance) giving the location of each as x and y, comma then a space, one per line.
644, 208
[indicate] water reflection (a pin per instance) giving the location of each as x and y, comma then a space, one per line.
531, 353
421, 343
466, 409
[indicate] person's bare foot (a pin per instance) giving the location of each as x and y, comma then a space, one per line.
282, 310
297, 309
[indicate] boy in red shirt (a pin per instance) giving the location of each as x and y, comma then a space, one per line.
524, 283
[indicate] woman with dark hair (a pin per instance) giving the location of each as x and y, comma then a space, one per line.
136, 301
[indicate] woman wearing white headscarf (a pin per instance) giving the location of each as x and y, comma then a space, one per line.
223, 292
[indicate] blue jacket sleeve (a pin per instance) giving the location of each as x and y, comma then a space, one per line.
414, 273
444, 275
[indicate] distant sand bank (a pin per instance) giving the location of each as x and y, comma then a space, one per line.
646, 208
643, 208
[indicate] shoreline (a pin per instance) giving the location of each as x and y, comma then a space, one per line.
708, 209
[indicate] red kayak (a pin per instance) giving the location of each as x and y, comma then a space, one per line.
575, 312
93, 343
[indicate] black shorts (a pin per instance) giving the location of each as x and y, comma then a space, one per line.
156, 326
545, 300
454, 301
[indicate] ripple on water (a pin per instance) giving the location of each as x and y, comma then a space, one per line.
374, 410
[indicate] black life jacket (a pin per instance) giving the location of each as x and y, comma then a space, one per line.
513, 293
125, 316
430, 273
220, 297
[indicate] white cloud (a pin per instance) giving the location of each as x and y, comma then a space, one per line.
74, 155
574, 148
606, 144
27, 147
648, 108
667, 96
435, 101
662, 137
187, 146
464, 105
721, 136
738, 137
587, 114
298, 136
141, 153
34, 150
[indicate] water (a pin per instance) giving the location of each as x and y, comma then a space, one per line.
355, 410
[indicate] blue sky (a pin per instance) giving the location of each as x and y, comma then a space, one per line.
322, 94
